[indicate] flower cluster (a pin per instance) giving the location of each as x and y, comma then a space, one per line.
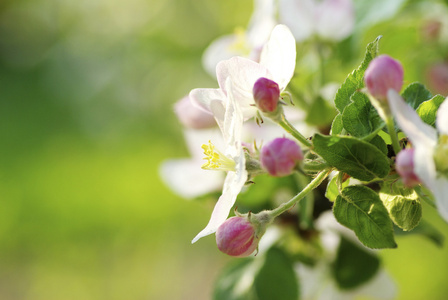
380, 150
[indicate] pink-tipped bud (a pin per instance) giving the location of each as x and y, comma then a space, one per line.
236, 237
266, 94
191, 116
404, 164
280, 156
382, 74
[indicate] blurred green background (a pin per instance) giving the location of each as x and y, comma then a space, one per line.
86, 95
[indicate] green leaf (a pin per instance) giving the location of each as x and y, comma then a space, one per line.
353, 265
403, 205
230, 284
425, 229
320, 113
360, 118
378, 142
276, 279
355, 80
415, 94
332, 188
428, 109
336, 126
360, 209
357, 158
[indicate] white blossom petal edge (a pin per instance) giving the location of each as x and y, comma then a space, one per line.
424, 140
231, 127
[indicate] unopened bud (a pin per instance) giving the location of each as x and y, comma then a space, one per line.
382, 74
404, 164
266, 94
191, 116
280, 156
236, 237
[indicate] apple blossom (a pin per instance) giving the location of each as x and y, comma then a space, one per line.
280, 156
404, 164
277, 63
230, 121
245, 43
237, 237
332, 20
382, 74
428, 147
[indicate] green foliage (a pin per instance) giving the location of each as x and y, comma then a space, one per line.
269, 276
229, 284
359, 117
276, 279
426, 230
332, 188
403, 205
355, 80
357, 158
337, 127
353, 265
415, 94
360, 209
428, 110
320, 113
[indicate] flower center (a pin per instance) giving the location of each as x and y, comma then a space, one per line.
240, 45
216, 160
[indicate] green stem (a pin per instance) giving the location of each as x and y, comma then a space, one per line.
311, 186
290, 129
393, 134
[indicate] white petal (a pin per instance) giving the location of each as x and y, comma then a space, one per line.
440, 191
261, 23
186, 178
298, 15
442, 118
244, 73
335, 19
418, 131
232, 126
195, 138
203, 98
232, 186
279, 55
220, 49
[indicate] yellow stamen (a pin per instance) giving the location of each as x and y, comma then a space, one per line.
216, 160
240, 45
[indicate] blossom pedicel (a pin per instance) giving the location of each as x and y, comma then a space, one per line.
405, 167
280, 156
382, 74
236, 237
266, 94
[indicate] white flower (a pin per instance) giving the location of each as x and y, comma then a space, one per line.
425, 141
243, 43
184, 176
230, 121
277, 63
329, 19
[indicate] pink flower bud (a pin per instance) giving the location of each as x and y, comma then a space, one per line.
191, 116
382, 74
404, 164
437, 77
280, 156
236, 237
266, 94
